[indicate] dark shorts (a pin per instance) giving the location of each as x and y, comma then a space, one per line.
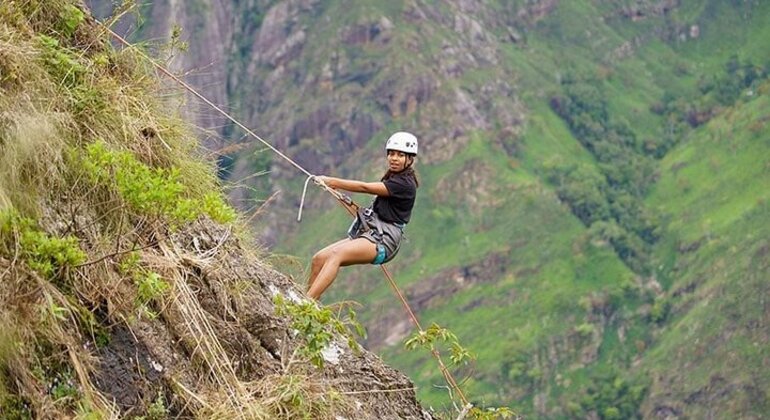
387, 236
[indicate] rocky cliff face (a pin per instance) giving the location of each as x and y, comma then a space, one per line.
245, 338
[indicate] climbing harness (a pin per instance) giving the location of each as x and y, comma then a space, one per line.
402, 139
387, 237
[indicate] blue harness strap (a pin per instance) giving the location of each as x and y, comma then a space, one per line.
380, 255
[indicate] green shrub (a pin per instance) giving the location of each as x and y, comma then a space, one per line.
157, 410
87, 100
13, 407
318, 326
43, 253
515, 369
491, 413
585, 329
660, 309
611, 413
433, 335
150, 286
61, 64
459, 355
64, 390
613, 397
71, 18
154, 192
217, 209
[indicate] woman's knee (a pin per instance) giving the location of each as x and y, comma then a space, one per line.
318, 259
322, 256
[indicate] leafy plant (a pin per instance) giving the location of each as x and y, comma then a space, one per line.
71, 18
660, 309
585, 329
63, 389
60, 62
157, 410
613, 397
491, 413
318, 326
155, 192
47, 255
15, 407
215, 207
130, 263
428, 338
150, 286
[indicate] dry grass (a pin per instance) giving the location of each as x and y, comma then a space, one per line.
35, 316
56, 98
32, 131
274, 397
32, 158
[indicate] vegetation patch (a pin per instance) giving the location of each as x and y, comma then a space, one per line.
318, 326
152, 192
49, 256
625, 168
611, 398
429, 339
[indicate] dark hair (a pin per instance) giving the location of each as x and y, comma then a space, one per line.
409, 171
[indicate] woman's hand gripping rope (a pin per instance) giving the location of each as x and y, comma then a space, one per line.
345, 200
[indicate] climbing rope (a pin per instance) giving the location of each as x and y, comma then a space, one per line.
345, 201
302, 200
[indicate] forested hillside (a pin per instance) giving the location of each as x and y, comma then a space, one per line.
593, 211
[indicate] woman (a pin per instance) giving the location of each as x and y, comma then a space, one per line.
375, 235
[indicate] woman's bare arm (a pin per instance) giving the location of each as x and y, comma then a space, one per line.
374, 188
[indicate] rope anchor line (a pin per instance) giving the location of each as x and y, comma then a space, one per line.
345, 201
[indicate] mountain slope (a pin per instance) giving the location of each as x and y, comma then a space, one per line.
711, 355
555, 231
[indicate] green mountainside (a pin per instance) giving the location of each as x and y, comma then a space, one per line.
592, 218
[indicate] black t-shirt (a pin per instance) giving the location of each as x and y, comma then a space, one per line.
397, 207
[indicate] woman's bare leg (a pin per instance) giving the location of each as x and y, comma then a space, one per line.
319, 259
343, 253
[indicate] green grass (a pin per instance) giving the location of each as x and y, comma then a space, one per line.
728, 148
719, 197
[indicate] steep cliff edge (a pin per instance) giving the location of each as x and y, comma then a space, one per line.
125, 290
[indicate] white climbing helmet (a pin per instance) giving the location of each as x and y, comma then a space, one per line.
403, 142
